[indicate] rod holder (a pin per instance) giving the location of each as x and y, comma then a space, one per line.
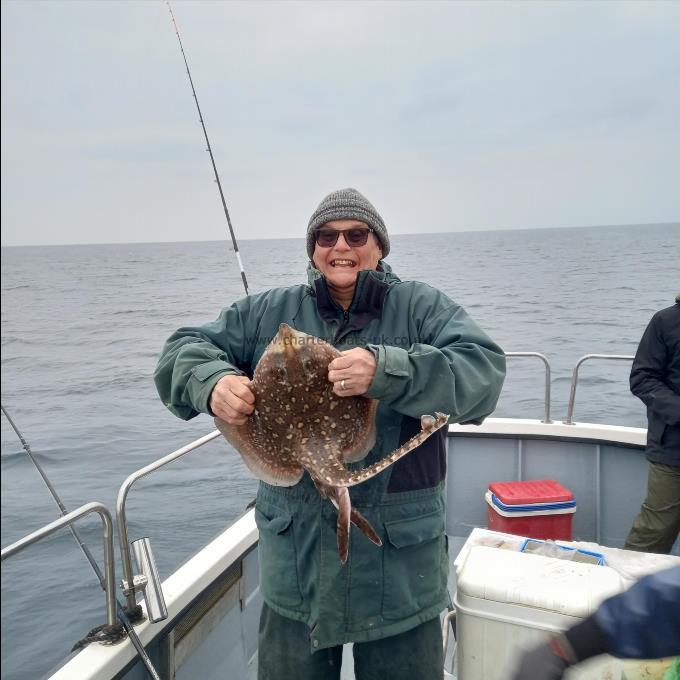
152, 589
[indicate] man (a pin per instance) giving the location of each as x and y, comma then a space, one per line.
403, 343
643, 622
655, 379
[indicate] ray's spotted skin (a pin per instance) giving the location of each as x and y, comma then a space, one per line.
300, 424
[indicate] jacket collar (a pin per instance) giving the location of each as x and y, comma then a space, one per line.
367, 304
383, 272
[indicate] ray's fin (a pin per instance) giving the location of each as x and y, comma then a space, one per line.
367, 437
361, 523
340, 498
270, 467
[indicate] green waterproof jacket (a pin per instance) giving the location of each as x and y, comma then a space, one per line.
430, 357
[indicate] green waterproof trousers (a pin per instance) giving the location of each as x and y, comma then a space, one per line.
656, 528
284, 653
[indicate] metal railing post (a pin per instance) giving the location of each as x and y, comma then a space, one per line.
125, 552
574, 378
544, 359
67, 520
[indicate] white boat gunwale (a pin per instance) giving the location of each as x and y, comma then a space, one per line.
536, 429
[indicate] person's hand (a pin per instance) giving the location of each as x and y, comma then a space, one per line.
232, 400
545, 662
351, 373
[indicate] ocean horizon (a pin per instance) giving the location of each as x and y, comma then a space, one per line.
227, 238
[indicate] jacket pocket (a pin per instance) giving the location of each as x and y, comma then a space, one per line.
278, 560
415, 565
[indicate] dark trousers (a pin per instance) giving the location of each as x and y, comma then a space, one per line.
656, 528
284, 653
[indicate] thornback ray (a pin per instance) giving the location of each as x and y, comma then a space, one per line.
300, 424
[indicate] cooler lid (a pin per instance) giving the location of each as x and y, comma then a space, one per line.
530, 491
534, 581
529, 509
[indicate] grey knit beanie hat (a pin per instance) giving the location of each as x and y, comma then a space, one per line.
347, 204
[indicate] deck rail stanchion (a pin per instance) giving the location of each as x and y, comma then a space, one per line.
574, 378
129, 586
544, 359
67, 520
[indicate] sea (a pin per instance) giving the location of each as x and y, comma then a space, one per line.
82, 328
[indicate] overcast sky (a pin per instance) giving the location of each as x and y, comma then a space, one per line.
448, 115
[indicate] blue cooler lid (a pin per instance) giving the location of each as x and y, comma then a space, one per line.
531, 506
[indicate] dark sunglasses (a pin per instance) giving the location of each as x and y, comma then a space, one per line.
327, 238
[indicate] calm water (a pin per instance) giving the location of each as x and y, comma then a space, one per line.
82, 327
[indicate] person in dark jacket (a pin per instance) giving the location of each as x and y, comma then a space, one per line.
413, 349
655, 379
643, 622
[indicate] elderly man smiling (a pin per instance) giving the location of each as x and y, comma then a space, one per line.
405, 344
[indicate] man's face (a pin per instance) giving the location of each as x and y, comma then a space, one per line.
341, 263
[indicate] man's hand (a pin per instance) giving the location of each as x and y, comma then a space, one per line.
545, 662
232, 400
351, 373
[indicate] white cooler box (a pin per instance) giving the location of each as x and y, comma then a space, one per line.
508, 601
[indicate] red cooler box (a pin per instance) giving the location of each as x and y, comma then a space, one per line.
540, 508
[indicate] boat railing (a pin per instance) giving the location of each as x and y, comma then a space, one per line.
574, 378
107, 534
131, 583
546, 363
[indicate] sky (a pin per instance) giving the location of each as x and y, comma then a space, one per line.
448, 116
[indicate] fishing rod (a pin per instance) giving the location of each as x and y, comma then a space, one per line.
122, 614
212, 158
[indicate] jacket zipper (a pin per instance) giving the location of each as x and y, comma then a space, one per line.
341, 327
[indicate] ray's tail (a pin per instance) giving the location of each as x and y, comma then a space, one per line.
429, 425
